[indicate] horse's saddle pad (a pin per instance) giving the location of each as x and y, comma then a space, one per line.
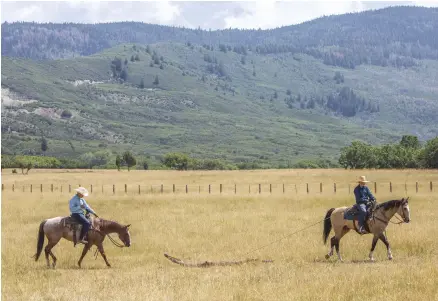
71, 223
351, 213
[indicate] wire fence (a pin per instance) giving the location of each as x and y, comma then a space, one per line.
225, 189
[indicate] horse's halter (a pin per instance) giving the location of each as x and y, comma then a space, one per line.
404, 219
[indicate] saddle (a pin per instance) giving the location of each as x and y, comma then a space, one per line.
352, 214
73, 225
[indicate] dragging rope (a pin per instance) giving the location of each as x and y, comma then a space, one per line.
228, 263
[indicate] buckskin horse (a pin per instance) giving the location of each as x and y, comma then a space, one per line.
342, 221
66, 227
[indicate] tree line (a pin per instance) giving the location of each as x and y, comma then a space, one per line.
408, 153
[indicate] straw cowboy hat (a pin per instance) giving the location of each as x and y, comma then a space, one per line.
363, 179
82, 191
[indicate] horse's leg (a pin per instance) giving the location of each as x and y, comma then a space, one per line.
339, 233
102, 252
84, 252
386, 242
332, 246
48, 251
373, 246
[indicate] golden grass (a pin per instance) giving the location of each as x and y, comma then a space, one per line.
197, 227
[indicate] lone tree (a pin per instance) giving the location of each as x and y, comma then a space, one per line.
156, 82
129, 159
118, 162
44, 146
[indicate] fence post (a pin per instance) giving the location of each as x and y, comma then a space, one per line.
3, 187
235, 188
375, 187
91, 188
114, 189
260, 188
102, 188
416, 186
320, 187
187, 189
220, 188
51, 187
173, 188
307, 185
199, 188
296, 190
41, 187
406, 187
249, 188
139, 191
162, 188
283, 187
431, 188
30, 188
334, 187
126, 188
270, 188
209, 188
13, 187
390, 187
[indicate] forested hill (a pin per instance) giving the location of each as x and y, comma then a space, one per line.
392, 36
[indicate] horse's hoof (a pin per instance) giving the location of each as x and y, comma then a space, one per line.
390, 258
327, 256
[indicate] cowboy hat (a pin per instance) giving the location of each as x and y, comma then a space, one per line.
363, 179
82, 191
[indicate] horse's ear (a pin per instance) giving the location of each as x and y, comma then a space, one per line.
127, 226
407, 199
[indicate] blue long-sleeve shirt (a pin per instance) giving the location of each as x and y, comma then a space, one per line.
77, 205
362, 194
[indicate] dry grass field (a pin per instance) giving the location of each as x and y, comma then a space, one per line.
199, 226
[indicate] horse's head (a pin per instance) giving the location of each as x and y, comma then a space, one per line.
125, 236
403, 210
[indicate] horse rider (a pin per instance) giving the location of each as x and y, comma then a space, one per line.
77, 206
363, 196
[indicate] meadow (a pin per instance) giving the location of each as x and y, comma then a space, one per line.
198, 226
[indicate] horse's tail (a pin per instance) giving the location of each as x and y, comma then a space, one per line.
40, 242
327, 225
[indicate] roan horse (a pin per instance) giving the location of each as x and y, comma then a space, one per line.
64, 227
375, 224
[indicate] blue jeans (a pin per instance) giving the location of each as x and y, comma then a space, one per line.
362, 213
84, 222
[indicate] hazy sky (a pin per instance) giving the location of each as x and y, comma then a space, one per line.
206, 14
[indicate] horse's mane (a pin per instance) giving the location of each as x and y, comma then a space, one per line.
389, 204
104, 223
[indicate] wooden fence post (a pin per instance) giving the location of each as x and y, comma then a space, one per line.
307, 185
199, 188
235, 188
283, 187
51, 187
270, 188
416, 186
13, 187
162, 188
126, 188
296, 190
375, 187
390, 186
41, 187
91, 188
31, 188
173, 188
249, 188
431, 188
102, 188
320, 187
187, 189
406, 187
209, 188
260, 188
220, 188
139, 191
3, 187
334, 187
114, 189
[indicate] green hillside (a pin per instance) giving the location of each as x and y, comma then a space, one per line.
270, 96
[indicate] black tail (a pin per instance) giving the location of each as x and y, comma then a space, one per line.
40, 242
327, 225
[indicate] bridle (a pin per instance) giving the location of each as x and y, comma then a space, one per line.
401, 221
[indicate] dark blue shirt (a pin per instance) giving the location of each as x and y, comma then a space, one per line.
363, 194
